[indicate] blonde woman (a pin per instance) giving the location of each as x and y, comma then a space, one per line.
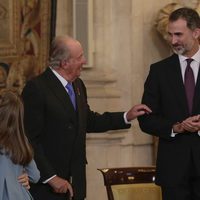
16, 154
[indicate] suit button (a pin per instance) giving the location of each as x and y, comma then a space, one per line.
70, 126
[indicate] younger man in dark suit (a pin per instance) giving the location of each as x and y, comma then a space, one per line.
172, 91
56, 124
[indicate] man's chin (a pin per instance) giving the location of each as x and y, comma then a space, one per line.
178, 51
78, 75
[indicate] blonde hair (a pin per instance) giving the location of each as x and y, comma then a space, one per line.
13, 140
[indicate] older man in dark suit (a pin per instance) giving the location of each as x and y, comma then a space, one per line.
57, 117
172, 91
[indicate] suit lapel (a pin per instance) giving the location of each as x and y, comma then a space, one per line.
59, 91
176, 82
196, 99
77, 94
81, 102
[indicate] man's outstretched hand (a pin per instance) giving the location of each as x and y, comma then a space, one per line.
137, 111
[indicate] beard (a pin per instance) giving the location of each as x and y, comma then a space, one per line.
180, 50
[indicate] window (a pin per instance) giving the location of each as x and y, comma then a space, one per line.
83, 27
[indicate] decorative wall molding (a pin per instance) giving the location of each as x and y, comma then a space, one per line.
101, 83
163, 14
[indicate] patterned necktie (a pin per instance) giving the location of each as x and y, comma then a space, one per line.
189, 84
71, 94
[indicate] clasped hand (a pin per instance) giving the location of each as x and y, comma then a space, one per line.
191, 124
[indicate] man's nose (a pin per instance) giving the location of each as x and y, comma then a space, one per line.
84, 61
173, 40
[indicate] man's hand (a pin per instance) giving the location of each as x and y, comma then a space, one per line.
137, 111
178, 128
192, 124
24, 180
60, 185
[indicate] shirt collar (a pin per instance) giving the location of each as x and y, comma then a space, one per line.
61, 79
195, 57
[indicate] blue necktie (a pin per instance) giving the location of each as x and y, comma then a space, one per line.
71, 94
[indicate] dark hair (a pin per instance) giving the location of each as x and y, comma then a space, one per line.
188, 14
13, 141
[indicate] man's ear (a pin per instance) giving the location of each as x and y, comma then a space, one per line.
63, 63
196, 33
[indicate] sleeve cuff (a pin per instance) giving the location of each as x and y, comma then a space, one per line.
46, 181
125, 119
173, 134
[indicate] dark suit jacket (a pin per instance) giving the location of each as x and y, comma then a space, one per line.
58, 132
164, 93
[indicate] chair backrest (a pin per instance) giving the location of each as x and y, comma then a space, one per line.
131, 183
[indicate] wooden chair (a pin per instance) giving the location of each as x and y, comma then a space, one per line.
131, 183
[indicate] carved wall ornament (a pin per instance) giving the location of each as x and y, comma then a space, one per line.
163, 14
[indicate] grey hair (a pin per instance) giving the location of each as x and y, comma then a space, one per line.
59, 51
